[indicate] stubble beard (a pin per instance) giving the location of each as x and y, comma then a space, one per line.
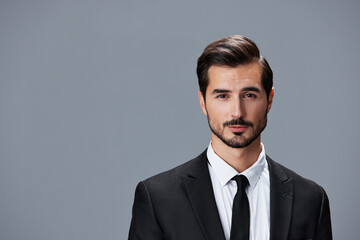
238, 140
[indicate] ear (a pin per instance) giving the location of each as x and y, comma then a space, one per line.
270, 100
202, 102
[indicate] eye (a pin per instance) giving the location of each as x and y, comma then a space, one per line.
221, 96
249, 95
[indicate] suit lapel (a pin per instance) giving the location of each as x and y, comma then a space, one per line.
199, 189
281, 202
200, 192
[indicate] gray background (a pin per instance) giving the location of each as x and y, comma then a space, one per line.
98, 95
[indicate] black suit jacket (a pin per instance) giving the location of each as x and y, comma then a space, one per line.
179, 204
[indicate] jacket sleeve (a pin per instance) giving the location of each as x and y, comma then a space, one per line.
144, 225
324, 231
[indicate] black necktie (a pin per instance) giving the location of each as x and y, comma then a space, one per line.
240, 224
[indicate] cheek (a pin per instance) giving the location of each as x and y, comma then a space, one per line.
256, 111
218, 112
216, 118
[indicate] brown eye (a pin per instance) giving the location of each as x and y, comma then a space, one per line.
249, 95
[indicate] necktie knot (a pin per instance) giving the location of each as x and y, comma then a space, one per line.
241, 182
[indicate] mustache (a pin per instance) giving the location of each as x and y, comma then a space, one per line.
238, 121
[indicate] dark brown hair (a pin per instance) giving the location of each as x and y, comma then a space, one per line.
232, 51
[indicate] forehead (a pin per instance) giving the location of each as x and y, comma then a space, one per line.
235, 77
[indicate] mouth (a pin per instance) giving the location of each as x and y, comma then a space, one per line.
237, 128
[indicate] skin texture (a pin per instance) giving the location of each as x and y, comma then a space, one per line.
236, 106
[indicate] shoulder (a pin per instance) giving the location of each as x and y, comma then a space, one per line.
302, 186
173, 177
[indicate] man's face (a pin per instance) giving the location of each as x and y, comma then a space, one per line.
236, 104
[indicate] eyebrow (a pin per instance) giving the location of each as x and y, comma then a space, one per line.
246, 89
253, 89
216, 91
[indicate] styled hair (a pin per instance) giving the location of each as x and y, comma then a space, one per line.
232, 51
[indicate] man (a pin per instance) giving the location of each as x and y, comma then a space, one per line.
232, 190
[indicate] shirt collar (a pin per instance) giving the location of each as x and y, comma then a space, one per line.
225, 172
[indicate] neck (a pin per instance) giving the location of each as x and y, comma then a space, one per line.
238, 158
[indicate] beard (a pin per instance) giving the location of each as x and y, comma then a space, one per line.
238, 140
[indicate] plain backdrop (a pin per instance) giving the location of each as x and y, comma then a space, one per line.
96, 96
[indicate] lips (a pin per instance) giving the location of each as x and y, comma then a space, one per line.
237, 128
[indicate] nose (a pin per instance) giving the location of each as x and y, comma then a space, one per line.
236, 109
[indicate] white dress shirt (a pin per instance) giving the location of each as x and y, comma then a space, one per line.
258, 193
